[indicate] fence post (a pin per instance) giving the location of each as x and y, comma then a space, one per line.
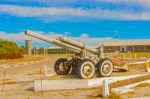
41, 82
4, 75
147, 67
105, 88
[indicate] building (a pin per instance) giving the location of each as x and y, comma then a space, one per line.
109, 47
28, 47
127, 46
58, 50
39, 51
50, 50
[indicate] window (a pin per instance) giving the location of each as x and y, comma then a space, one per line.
148, 47
136, 47
142, 48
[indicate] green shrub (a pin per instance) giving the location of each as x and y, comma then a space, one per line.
10, 50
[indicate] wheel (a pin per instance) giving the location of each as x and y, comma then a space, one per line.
105, 68
85, 69
61, 68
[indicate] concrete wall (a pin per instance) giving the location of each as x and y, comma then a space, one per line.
50, 51
59, 51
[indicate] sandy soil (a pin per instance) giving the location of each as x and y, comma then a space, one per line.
19, 83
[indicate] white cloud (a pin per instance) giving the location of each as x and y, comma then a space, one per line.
94, 41
142, 3
126, 1
66, 13
21, 37
84, 38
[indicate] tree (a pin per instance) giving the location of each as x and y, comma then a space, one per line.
10, 50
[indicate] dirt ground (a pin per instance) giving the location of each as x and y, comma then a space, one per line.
141, 91
19, 82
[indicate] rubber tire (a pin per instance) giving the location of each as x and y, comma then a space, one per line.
57, 64
100, 65
80, 65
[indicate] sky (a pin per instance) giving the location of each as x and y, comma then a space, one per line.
88, 21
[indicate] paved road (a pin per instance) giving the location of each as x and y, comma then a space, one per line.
29, 67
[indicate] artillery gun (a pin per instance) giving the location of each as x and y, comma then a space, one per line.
84, 63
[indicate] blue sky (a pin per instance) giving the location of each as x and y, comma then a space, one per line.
91, 21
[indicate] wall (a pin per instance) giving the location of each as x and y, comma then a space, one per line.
140, 48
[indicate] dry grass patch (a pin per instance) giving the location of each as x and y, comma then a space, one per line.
25, 59
131, 93
147, 94
36, 72
115, 96
37, 93
8, 81
129, 81
2, 61
143, 85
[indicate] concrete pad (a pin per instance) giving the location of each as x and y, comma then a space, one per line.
48, 84
121, 90
17, 65
25, 63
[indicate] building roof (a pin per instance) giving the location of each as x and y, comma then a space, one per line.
127, 43
57, 47
54, 47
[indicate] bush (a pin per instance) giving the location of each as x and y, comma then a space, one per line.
9, 50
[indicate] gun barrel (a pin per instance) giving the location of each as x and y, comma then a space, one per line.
39, 36
77, 44
53, 41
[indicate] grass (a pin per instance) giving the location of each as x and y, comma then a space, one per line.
129, 81
27, 97
8, 81
67, 94
35, 72
143, 85
24, 59
2, 61
115, 96
147, 94
32, 58
37, 93
27, 59
55, 55
131, 93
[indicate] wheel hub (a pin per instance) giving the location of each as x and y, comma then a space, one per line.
106, 68
87, 70
62, 66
